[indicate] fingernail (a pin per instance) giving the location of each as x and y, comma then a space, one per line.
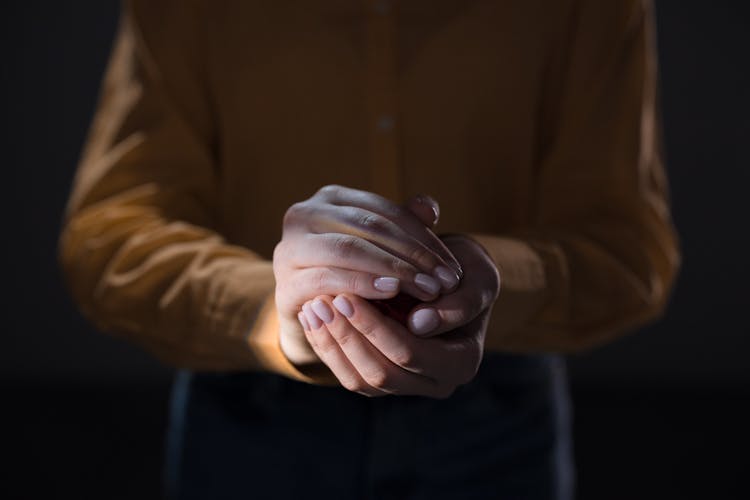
303, 321
427, 283
424, 321
385, 284
448, 278
343, 306
322, 310
435, 210
312, 319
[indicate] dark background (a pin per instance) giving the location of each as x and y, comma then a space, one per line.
660, 414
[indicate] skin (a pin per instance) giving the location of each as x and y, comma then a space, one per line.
374, 355
332, 253
346, 240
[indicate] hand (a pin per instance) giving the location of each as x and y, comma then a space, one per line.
473, 298
374, 355
345, 240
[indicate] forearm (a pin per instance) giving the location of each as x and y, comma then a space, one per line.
139, 275
566, 295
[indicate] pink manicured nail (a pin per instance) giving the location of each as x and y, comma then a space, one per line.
343, 306
424, 321
385, 284
303, 321
448, 278
427, 283
312, 319
322, 310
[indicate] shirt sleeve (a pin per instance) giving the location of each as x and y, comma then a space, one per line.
140, 248
600, 255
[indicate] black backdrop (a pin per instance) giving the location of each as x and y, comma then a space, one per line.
659, 414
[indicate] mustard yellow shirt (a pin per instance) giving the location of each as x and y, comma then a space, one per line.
532, 122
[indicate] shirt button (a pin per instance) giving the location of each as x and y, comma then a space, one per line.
386, 123
382, 7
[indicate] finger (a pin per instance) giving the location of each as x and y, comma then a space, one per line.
356, 254
417, 222
448, 360
403, 217
389, 236
390, 338
385, 334
425, 208
310, 282
448, 312
375, 368
329, 352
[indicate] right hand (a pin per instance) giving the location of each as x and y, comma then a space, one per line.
375, 356
343, 240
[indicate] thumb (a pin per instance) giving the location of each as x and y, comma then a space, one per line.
425, 208
445, 314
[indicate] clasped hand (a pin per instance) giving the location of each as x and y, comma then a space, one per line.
344, 246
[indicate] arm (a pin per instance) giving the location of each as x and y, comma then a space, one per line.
598, 258
138, 246
141, 249
602, 254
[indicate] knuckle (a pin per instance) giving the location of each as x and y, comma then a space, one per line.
292, 213
351, 383
421, 254
344, 338
367, 328
344, 247
377, 378
354, 282
397, 212
325, 344
372, 223
319, 280
404, 358
328, 191
402, 269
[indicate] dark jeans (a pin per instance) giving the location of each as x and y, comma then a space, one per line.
505, 435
